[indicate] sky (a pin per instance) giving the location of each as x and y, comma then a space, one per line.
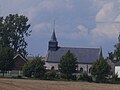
79, 23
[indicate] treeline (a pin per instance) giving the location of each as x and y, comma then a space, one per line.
67, 70
101, 70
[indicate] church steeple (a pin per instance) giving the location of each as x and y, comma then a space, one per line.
53, 43
53, 37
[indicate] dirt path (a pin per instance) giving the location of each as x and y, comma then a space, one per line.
19, 84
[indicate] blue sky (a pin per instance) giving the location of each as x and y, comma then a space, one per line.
79, 23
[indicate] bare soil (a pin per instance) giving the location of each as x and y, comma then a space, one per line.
21, 84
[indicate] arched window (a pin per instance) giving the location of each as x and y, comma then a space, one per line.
81, 69
90, 70
52, 68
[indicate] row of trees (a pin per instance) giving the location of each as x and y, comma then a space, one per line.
13, 30
68, 68
36, 68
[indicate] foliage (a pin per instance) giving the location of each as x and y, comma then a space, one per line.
115, 77
115, 55
84, 77
101, 69
50, 75
34, 68
13, 30
68, 65
117, 49
6, 59
28, 69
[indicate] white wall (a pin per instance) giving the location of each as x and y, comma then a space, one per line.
117, 70
85, 67
49, 65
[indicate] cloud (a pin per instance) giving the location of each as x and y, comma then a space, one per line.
107, 20
82, 28
105, 31
41, 26
80, 22
107, 13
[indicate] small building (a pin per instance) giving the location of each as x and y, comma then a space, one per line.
115, 67
85, 56
19, 61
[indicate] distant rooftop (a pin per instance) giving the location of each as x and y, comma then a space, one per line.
83, 55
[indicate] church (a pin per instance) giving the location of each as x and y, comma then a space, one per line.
85, 56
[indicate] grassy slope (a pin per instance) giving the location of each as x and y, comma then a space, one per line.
17, 84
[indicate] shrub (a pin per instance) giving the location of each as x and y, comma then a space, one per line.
27, 70
84, 77
50, 75
115, 77
34, 68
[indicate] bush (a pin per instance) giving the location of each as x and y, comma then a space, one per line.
84, 77
19, 76
115, 77
73, 77
34, 68
50, 75
27, 70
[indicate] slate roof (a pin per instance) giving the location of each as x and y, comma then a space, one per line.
53, 37
83, 55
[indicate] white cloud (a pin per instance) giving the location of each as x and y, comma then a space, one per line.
107, 21
69, 14
106, 13
105, 31
117, 19
41, 26
83, 29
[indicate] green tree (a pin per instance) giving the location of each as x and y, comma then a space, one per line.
101, 69
117, 50
115, 55
13, 30
6, 59
35, 68
68, 65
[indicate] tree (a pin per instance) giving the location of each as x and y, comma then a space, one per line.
115, 55
6, 59
35, 68
13, 30
68, 65
117, 49
101, 69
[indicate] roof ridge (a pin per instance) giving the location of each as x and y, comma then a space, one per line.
80, 47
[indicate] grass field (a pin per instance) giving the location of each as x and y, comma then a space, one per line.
19, 84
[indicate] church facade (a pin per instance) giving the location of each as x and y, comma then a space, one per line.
85, 56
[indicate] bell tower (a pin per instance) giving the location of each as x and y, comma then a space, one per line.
53, 43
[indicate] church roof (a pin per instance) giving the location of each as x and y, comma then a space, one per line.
83, 55
53, 37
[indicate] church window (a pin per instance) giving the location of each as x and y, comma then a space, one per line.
81, 69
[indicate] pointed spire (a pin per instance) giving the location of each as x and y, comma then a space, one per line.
101, 54
53, 37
